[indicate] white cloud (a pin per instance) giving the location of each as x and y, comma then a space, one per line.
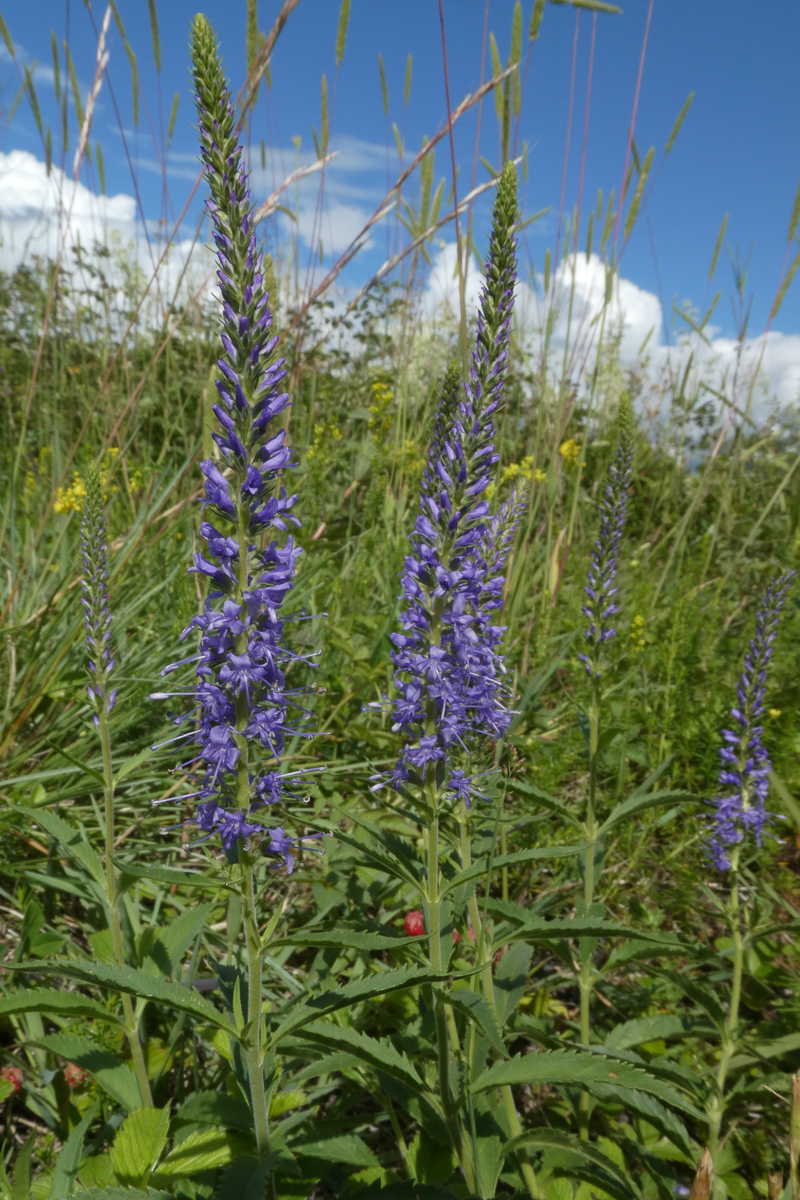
719, 362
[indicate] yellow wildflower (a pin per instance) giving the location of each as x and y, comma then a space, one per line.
636, 634
570, 451
540, 475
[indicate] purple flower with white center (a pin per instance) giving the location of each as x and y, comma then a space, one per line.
741, 807
94, 588
448, 669
601, 606
242, 713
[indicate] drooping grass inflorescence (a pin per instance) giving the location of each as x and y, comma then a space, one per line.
601, 606
740, 808
244, 711
448, 668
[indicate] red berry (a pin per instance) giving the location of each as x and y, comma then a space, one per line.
12, 1075
74, 1075
414, 923
456, 937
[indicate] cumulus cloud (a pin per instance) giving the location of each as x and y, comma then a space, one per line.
47, 215
762, 371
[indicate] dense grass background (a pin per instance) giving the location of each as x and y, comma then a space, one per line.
714, 516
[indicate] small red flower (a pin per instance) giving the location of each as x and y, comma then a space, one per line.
414, 923
74, 1075
13, 1075
456, 937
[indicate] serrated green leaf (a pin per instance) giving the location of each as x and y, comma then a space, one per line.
480, 866
123, 1193
70, 840
346, 1148
637, 804
114, 1077
538, 929
138, 1144
578, 1066
663, 1118
69, 1157
204, 1150
247, 1178
555, 1139
378, 1054
476, 1009
21, 1183
351, 938
215, 1108
135, 983
548, 801
628, 1034
311, 1008
169, 875
51, 1001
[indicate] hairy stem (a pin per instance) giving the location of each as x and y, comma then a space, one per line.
729, 1039
251, 1039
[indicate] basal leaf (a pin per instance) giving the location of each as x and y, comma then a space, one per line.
203, 1150
114, 1077
138, 1145
215, 1108
346, 1148
69, 1157
579, 1066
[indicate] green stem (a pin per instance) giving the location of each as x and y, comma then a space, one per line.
586, 980
451, 1115
487, 984
717, 1110
251, 1038
131, 1021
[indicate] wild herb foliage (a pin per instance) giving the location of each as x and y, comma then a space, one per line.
518, 970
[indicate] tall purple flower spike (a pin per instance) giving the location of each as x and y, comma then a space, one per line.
94, 588
243, 711
601, 606
741, 806
448, 668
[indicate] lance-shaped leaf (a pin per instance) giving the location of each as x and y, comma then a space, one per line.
135, 983
353, 939
55, 1003
554, 1139
312, 1007
576, 1066
480, 866
378, 1054
74, 845
169, 875
637, 804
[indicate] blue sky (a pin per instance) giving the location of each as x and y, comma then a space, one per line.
738, 151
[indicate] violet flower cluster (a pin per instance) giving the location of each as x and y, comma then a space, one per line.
94, 588
601, 606
448, 668
244, 711
741, 807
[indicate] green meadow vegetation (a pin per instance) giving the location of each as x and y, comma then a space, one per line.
619, 1018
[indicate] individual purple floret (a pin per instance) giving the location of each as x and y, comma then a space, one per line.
243, 713
741, 807
94, 586
601, 606
448, 669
